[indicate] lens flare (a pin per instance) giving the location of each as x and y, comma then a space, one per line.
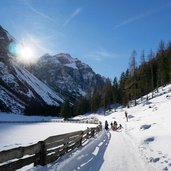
23, 54
26, 52
13, 49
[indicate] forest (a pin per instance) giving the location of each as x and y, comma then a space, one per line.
153, 71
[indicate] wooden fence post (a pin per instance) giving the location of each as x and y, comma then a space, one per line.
80, 143
42, 153
87, 132
92, 132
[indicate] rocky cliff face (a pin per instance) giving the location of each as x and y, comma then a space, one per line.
66, 74
5, 40
19, 89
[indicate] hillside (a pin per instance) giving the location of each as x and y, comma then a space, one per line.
142, 144
21, 91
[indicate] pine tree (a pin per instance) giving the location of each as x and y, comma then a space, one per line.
95, 100
115, 91
82, 106
133, 77
66, 110
163, 67
107, 94
168, 54
142, 76
124, 93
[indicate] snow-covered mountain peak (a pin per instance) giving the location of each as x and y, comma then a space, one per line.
61, 58
67, 74
21, 91
65, 58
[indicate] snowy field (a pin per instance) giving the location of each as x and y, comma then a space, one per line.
24, 134
14, 135
143, 144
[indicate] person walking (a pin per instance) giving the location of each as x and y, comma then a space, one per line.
126, 116
106, 125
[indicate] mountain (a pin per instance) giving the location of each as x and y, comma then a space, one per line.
67, 74
21, 91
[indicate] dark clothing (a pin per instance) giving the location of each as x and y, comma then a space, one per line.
126, 116
106, 125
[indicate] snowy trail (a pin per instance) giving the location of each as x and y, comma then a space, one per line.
111, 151
122, 156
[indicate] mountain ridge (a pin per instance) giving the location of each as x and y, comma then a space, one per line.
21, 91
67, 74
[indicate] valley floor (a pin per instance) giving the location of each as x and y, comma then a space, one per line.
142, 144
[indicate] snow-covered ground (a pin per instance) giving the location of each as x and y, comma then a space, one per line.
142, 144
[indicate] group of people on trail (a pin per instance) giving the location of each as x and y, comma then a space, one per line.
114, 126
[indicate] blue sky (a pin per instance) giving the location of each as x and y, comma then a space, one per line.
101, 33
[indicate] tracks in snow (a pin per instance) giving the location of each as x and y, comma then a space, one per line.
113, 151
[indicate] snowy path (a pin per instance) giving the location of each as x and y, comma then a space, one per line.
122, 156
102, 155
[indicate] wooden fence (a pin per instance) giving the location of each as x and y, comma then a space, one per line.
46, 151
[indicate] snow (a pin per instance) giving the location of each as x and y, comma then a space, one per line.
10, 100
71, 65
21, 134
20, 130
44, 91
142, 144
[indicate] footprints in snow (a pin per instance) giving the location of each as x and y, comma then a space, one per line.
149, 140
144, 127
154, 160
165, 162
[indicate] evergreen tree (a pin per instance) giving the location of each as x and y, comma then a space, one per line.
115, 91
66, 110
163, 67
133, 77
151, 64
142, 76
107, 94
95, 100
168, 54
124, 95
82, 106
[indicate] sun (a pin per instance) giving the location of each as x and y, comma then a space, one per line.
26, 52
26, 55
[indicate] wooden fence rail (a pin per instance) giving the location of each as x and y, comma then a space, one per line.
46, 151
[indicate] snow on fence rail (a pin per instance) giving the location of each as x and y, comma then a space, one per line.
46, 151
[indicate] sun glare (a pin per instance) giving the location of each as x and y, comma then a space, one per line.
26, 52
26, 55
